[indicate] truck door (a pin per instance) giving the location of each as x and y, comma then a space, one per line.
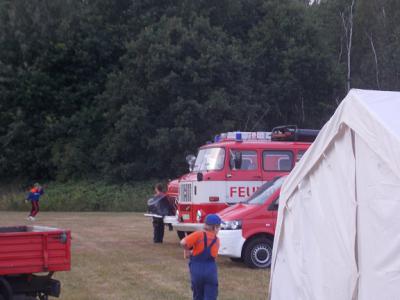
276, 163
243, 175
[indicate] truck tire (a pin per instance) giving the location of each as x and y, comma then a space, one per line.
181, 234
258, 253
5, 289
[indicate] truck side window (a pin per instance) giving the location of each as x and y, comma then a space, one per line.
277, 160
243, 160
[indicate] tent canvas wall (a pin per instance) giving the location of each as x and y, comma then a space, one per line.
338, 228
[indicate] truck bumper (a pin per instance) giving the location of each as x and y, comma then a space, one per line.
188, 226
231, 243
170, 220
167, 219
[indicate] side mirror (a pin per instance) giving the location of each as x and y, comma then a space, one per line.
274, 205
199, 176
190, 159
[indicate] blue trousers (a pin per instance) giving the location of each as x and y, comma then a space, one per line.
204, 277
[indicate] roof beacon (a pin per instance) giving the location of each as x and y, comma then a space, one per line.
292, 133
246, 135
238, 137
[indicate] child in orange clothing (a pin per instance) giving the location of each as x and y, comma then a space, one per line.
204, 247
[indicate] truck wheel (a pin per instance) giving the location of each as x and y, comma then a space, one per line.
258, 253
181, 234
5, 289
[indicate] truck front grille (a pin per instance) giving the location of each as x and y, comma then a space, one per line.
185, 192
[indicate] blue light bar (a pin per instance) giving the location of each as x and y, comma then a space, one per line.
238, 136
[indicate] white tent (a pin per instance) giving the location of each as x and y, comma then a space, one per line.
338, 228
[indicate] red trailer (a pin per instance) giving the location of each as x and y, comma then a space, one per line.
26, 251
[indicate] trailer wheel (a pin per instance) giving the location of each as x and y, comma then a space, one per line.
258, 253
5, 289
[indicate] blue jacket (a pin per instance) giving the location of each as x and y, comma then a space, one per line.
34, 194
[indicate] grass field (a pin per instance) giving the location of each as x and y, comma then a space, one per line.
113, 257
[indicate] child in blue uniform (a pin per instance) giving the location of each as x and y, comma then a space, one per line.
203, 249
34, 196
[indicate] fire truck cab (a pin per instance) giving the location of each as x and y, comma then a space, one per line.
232, 168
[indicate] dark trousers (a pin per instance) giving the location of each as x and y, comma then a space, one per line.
158, 226
35, 208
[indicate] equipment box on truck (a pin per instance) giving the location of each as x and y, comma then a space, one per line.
26, 251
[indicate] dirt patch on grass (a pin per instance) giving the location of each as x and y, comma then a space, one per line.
113, 257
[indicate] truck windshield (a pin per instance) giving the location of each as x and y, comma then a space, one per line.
209, 159
265, 191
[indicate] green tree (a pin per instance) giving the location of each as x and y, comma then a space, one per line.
179, 84
290, 66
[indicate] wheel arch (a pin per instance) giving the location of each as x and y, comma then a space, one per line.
256, 236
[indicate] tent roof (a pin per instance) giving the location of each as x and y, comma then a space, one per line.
370, 118
373, 115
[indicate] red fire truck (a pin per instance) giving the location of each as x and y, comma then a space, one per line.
231, 169
27, 251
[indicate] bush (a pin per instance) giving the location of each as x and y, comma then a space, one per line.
82, 196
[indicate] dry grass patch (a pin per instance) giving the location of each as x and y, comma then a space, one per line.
113, 257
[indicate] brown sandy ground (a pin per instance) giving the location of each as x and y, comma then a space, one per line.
113, 257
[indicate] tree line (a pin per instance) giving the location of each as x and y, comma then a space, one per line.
123, 90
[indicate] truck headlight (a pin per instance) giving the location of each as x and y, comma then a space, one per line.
232, 225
